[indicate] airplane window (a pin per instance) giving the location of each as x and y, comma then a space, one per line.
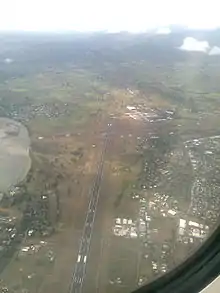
109, 142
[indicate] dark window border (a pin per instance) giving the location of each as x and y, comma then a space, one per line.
194, 274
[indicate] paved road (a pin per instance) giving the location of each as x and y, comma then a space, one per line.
82, 257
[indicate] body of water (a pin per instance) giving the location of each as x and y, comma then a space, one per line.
15, 161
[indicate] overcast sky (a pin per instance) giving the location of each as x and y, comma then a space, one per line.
112, 15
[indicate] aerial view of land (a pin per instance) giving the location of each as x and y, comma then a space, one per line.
109, 158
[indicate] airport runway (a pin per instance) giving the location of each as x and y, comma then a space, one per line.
83, 253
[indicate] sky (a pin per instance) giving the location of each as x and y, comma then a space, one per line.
110, 15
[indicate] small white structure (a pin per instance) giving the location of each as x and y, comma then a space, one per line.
196, 233
118, 221
147, 218
25, 249
133, 234
30, 232
182, 223
191, 223
125, 227
130, 91
208, 152
125, 221
131, 108
172, 212
181, 231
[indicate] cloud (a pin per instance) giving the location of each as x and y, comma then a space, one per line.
163, 31
8, 60
191, 44
214, 51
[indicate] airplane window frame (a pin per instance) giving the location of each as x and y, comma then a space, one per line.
194, 274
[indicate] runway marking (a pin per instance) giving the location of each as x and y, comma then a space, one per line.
85, 258
78, 280
79, 257
80, 269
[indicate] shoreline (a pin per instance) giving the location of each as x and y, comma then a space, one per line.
15, 160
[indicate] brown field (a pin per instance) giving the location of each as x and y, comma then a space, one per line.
65, 164
112, 256
51, 156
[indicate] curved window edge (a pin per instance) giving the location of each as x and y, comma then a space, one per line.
194, 274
